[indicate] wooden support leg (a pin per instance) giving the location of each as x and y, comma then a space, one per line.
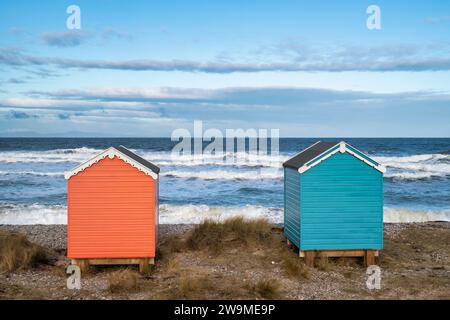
369, 258
83, 264
309, 258
143, 265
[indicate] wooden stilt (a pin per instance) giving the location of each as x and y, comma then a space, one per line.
83, 264
309, 258
369, 258
143, 265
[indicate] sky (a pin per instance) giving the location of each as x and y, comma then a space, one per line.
145, 68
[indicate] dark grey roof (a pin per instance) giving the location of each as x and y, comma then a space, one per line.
308, 154
136, 158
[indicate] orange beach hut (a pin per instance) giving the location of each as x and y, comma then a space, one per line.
112, 205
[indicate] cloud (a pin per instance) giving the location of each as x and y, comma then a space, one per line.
341, 59
62, 103
16, 80
65, 39
110, 33
296, 111
44, 73
258, 96
16, 31
64, 116
13, 114
437, 20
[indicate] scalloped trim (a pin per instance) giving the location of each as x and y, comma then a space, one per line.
342, 149
111, 153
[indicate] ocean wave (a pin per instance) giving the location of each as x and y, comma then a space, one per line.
263, 174
31, 173
49, 156
32, 214
165, 158
237, 159
401, 215
407, 168
192, 214
416, 167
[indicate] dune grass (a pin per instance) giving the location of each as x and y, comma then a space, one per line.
123, 281
294, 267
17, 252
266, 289
189, 285
323, 264
215, 235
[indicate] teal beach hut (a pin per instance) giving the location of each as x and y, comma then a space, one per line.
333, 202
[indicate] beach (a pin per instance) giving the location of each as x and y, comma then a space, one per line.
414, 265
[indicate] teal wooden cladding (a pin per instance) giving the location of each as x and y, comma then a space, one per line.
335, 205
292, 205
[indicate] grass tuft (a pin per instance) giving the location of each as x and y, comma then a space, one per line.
215, 235
123, 281
191, 286
295, 268
323, 264
267, 289
17, 252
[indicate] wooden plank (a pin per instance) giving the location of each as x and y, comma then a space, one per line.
368, 255
340, 253
118, 261
309, 258
143, 263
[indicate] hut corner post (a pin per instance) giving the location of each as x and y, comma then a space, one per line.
83, 264
309, 258
144, 265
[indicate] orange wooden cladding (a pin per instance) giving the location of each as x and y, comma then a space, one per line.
111, 212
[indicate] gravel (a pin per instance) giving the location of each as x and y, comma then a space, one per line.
55, 236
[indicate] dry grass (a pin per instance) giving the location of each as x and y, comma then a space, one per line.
21, 292
192, 286
173, 244
294, 267
214, 235
323, 264
172, 267
123, 281
266, 289
17, 252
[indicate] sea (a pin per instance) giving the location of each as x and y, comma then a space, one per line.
193, 188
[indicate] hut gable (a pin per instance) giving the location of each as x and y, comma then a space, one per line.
125, 155
321, 151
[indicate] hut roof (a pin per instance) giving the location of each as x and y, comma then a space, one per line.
122, 153
139, 159
321, 150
